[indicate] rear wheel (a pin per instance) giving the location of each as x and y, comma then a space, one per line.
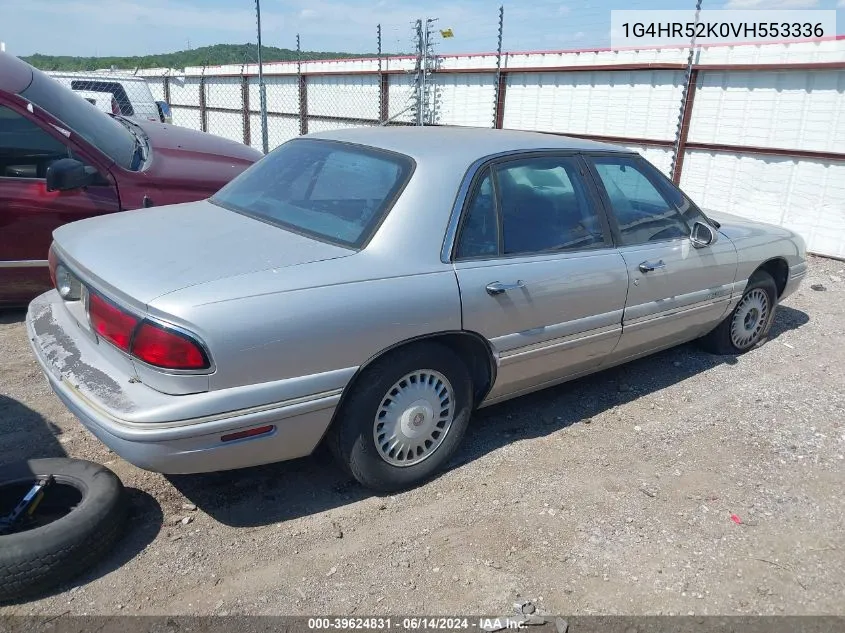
404, 418
748, 324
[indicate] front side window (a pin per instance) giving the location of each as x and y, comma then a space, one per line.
336, 192
26, 150
544, 207
642, 212
690, 213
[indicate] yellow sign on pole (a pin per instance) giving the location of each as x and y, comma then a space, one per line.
446, 33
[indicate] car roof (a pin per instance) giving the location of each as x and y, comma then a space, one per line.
15, 74
459, 145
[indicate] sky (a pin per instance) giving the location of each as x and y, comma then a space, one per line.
142, 27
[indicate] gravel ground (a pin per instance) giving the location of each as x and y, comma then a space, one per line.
612, 494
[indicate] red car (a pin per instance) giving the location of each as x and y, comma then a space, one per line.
63, 160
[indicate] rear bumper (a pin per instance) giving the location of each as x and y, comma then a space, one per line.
101, 395
794, 279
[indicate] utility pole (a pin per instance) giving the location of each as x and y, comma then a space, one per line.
262, 90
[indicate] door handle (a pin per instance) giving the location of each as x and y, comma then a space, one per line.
647, 267
497, 287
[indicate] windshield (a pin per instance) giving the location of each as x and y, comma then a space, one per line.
333, 191
103, 132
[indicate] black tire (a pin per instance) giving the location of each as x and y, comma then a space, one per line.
719, 340
33, 561
350, 437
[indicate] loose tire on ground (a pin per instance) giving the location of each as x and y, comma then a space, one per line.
38, 559
721, 341
352, 437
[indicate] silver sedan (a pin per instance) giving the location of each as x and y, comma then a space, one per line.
371, 288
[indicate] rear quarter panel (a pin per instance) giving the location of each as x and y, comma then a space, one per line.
310, 319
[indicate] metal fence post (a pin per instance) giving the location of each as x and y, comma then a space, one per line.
500, 85
203, 110
245, 107
685, 113
383, 86
167, 87
262, 89
303, 91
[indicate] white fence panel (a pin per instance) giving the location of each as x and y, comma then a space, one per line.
279, 130
400, 92
184, 91
186, 117
792, 110
226, 124
282, 95
223, 92
465, 99
351, 96
637, 104
803, 195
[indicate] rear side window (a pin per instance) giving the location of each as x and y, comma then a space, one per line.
545, 208
530, 206
332, 191
111, 87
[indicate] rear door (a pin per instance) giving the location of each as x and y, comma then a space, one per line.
676, 292
28, 212
538, 274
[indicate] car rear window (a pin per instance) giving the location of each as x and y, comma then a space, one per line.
335, 192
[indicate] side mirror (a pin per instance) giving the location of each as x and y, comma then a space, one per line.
702, 235
164, 112
67, 173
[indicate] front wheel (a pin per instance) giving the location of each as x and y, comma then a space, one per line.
404, 418
748, 324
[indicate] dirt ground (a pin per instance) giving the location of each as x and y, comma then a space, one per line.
611, 495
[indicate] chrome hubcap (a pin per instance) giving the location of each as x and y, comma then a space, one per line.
414, 417
750, 318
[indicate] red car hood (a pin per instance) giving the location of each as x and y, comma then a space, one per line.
184, 160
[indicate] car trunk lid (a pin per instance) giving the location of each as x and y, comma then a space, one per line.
147, 253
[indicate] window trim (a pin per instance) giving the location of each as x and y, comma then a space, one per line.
589, 158
492, 163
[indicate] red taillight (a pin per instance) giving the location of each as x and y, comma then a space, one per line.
167, 349
53, 261
110, 322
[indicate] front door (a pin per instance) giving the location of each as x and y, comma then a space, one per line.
676, 291
538, 275
28, 212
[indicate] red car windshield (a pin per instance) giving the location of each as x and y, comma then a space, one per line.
103, 132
